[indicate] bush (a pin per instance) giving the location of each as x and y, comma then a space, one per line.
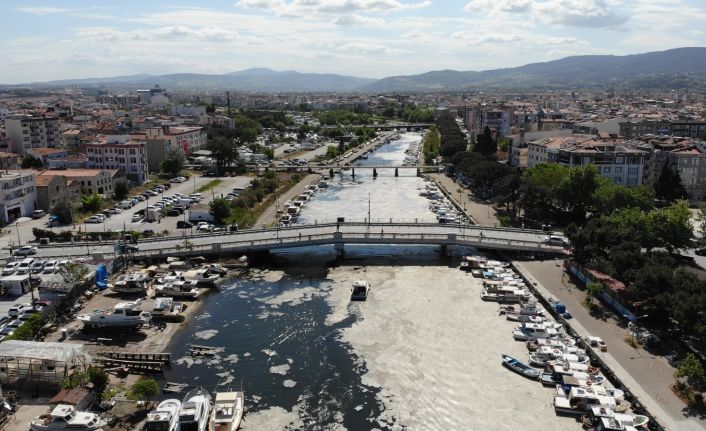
143, 390
29, 330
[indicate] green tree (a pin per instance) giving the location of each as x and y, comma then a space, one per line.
269, 152
593, 290
692, 369
702, 221
485, 144
92, 202
29, 162
331, 152
62, 209
219, 208
144, 389
121, 190
669, 186
173, 163
29, 329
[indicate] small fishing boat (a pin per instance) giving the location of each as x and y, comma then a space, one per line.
519, 367
360, 290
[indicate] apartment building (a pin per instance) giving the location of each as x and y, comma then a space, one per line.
636, 128
46, 155
90, 181
17, 195
119, 152
26, 131
188, 139
616, 160
71, 140
686, 156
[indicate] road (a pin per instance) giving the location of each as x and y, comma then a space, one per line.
649, 376
267, 218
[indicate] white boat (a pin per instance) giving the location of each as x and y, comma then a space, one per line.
177, 289
360, 291
133, 283
194, 412
565, 389
285, 219
530, 334
579, 402
513, 296
66, 417
123, 315
201, 276
227, 412
215, 269
165, 417
162, 306
604, 419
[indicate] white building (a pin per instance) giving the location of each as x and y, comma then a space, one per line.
119, 152
25, 131
17, 195
188, 139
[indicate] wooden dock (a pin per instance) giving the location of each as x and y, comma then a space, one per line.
197, 350
140, 366
164, 358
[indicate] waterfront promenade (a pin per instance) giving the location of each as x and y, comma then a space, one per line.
482, 214
648, 376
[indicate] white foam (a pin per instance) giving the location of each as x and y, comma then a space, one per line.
206, 334
268, 352
273, 418
289, 383
280, 369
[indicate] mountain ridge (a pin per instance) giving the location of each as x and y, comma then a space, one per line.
678, 67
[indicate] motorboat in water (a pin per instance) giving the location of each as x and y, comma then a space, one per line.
227, 411
123, 315
565, 390
520, 367
360, 290
195, 409
66, 417
165, 417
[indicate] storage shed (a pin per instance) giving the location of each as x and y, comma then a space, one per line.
40, 362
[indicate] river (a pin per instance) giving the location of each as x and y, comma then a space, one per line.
422, 352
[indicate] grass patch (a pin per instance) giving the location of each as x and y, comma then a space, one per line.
249, 206
209, 185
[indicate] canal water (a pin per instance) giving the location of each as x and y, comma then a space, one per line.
275, 328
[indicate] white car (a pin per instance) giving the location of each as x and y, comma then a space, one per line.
18, 309
204, 227
25, 251
95, 219
136, 217
50, 267
10, 268
178, 180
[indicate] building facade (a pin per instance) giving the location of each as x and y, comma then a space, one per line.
25, 132
119, 152
18, 195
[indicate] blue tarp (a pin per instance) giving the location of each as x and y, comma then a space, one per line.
102, 277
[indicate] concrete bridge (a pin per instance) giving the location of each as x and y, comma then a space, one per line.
384, 127
327, 234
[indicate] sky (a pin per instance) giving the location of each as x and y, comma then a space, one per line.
48, 40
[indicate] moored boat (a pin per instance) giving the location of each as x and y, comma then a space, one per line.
195, 409
227, 411
360, 290
165, 417
520, 367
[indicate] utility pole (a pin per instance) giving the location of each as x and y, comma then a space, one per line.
368, 211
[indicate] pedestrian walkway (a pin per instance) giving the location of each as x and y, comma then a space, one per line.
649, 377
482, 214
267, 218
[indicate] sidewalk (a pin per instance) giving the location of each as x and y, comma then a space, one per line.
649, 377
268, 216
483, 214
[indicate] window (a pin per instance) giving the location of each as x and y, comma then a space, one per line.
618, 180
619, 170
606, 169
619, 159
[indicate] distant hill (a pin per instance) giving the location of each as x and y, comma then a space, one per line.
674, 68
259, 79
570, 72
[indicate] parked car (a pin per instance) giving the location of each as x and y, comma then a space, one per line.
700, 251
10, 268
554, 240
128, 248
177, 180
25, 265
136, 217
18, 309
50, 267
181, 224
37, 267
204, 227
148, 232
173, 213
25, 251
38, 213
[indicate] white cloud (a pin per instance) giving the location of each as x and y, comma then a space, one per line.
474, 38
368, 48
41, 10
175, 32
576, 13
302, 8
357, 20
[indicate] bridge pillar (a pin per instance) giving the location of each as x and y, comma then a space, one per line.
353, 172
419, 172
445, 247
397, 172
338, 244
